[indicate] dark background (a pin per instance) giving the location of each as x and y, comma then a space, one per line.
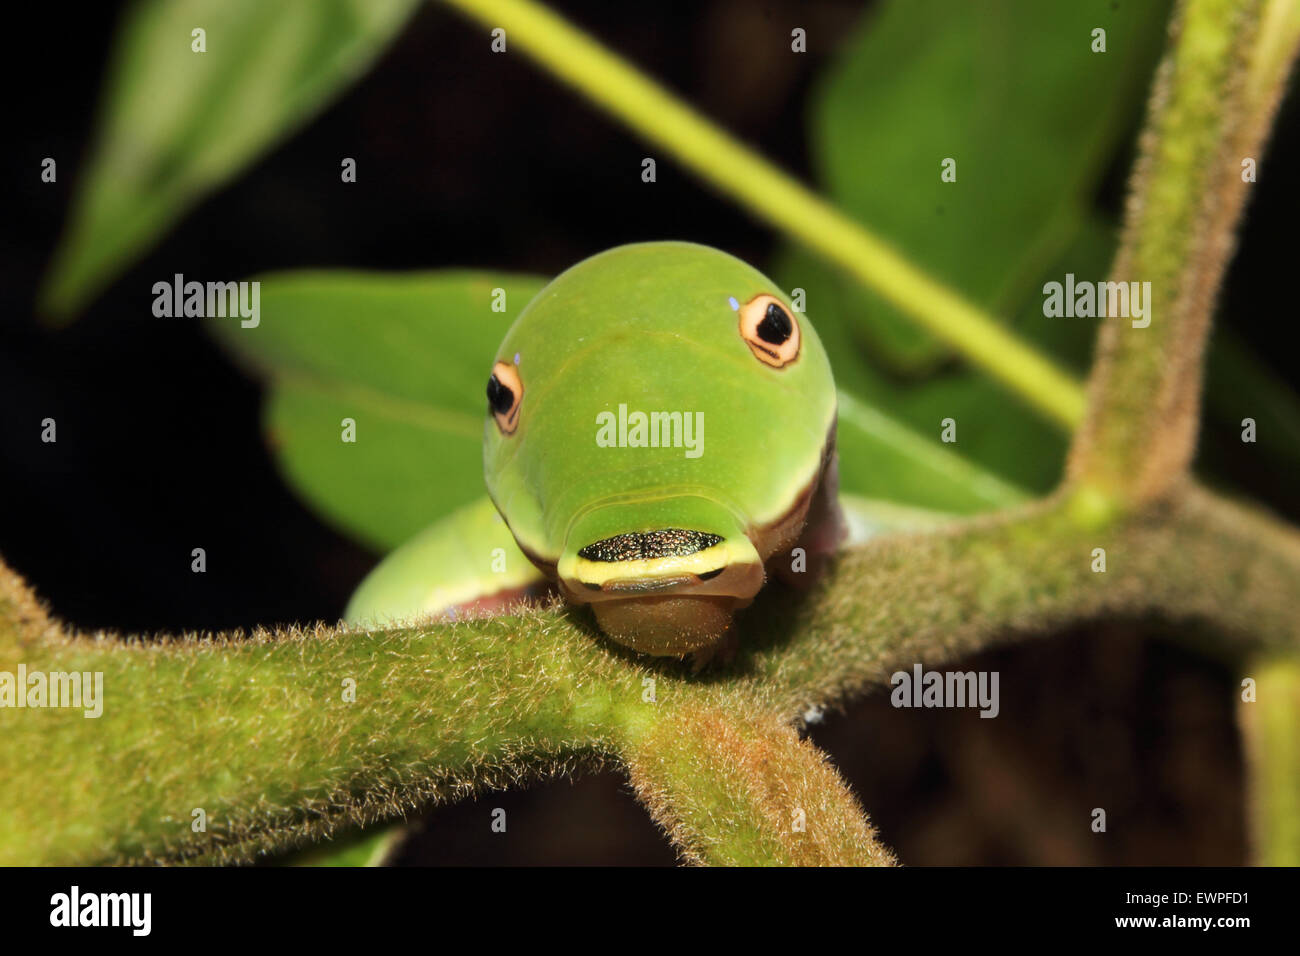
466, 158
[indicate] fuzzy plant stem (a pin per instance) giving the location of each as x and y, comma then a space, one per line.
1215, 96
260, 734
747, 791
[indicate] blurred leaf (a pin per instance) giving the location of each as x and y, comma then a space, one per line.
881, 459
1012, 91
407, 357
177, 123
373, 846
1238, 385
867, 518
995, 431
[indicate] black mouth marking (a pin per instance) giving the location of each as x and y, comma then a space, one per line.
651, 584
649, 545
646, 585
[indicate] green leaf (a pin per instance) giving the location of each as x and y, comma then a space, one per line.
868, 518
995, 431
1009, 89
1239, 385
178, 123
882, 459
406, 357
373, 846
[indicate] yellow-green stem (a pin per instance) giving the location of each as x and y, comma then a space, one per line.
1268, 724
663, 119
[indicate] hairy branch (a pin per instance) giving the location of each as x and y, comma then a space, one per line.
1214, 99
933, 597
257, 733
742, 792
260, 734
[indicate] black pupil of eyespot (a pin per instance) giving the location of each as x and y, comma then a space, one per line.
776, 326
499, 397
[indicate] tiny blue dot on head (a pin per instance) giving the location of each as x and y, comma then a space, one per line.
735, 306
516, 358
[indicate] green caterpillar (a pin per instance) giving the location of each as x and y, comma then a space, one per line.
660, 434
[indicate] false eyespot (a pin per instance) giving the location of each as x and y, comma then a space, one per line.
770, 330
505, 393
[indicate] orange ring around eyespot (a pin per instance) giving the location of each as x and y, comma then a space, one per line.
753, 314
